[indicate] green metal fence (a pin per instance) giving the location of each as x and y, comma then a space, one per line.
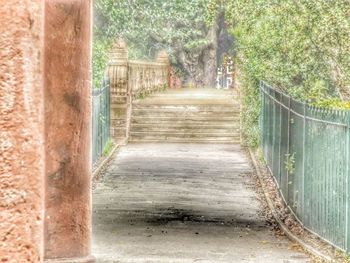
100, 120
308, 152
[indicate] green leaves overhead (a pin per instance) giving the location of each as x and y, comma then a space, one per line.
295, 44
149, 26
143, 23
300, 46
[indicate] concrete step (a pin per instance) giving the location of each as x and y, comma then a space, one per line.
185, 119
188, 130
232, 107
185, 141
178, 134
135, 139
180, 114
207, 116
176, 126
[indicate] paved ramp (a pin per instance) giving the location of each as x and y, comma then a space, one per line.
183, 203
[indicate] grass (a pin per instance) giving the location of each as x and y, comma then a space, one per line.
108, 148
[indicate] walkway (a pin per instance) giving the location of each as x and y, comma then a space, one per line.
183, 203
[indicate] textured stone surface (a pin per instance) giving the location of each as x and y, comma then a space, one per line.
186, 115
68, 133
21, 131
183, 203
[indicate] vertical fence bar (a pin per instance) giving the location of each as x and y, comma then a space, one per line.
262, 118
265, 122
304, 163
100, 120
288, 146
108, 109
100, 123
347, 181
273, 123
322, 173
280, 143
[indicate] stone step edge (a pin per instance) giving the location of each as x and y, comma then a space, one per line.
184, 106
146, 111
182, 125
133, 140
192, 118
166, 128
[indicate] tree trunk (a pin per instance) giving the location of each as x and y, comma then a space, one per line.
200, 66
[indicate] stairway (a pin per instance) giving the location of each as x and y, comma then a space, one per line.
186, 115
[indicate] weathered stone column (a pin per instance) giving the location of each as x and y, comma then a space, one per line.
68, 132
120, 92
21, 131
163, 58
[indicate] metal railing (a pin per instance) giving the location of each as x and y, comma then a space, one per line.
100, 120
307, 149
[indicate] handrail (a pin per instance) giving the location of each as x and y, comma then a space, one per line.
307, 150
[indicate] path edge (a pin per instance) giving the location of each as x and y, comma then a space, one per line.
99, 169
313, 251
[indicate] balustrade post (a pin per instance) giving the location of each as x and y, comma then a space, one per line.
120, 91
163, 58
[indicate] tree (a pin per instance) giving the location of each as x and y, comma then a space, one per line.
301, 47
188, 30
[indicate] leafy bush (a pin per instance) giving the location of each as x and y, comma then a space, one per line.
182, 28
100, 49
301, 47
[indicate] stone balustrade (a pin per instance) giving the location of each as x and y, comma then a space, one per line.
129, 80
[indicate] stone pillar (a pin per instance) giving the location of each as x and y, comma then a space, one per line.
21, 131
68, 131
163, 58
120, 92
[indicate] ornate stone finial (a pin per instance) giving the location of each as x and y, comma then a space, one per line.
119, 52
163, 57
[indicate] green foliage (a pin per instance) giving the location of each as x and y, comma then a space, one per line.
342, 256
108, 147
250, 111
290, 163
180, 27
334, 103
100, 49
295, 44
301, 47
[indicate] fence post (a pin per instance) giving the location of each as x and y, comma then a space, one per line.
280, 144
288, 149
273, 114
262, 118
119, 91
347, 180
304, 163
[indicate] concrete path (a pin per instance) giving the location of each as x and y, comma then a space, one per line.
183, 203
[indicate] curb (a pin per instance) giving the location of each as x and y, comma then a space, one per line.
89, 259
313, 251
102, 165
